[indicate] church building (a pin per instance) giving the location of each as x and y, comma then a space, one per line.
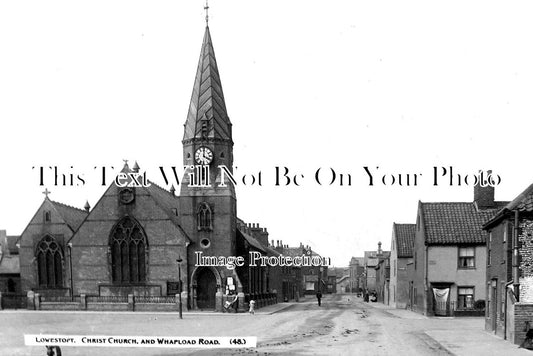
141, 240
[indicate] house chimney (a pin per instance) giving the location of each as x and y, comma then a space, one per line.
484, 196
379, 248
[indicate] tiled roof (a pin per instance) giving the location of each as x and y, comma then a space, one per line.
71, 215
455, 223
207, 101
405, 239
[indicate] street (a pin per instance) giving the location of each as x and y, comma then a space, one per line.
343, 325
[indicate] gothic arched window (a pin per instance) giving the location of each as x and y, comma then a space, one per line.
204, 217
49, 258
128, 246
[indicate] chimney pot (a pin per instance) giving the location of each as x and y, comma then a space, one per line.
484, 195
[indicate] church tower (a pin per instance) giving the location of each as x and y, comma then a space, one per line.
208, 213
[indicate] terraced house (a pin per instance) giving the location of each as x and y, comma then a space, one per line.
509, 279
403, 237
448, 270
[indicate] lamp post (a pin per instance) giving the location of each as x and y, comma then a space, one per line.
179, 260
69, 245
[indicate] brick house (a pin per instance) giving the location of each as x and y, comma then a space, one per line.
290, 279
509, 277
403, 237
448, 271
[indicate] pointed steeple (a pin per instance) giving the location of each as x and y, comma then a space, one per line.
207, 118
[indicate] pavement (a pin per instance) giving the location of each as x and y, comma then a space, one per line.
469, 339
343, 325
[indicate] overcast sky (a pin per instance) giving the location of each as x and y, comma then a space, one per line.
403, 85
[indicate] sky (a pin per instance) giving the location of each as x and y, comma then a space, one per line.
337, 86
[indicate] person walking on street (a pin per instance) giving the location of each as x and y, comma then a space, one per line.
319, 297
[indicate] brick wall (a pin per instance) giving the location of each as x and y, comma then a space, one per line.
522, 312
497, 272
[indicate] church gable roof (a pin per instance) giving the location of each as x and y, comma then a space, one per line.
167, 202
72, 216
207, 116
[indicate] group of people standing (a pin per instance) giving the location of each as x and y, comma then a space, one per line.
369, 296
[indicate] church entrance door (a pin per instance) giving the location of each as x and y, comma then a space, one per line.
206, 289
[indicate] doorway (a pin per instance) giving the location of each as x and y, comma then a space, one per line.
494, 303
206, 289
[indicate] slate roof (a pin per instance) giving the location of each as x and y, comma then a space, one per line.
251, 240
207, 101
405, 239
339, 280
72, 216
9, 264
166, 201
455, 223
523, 202
12, 244
298, 251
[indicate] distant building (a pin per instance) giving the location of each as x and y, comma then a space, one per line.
382, 275
356, 270
290, 278
370, 262
314, 278
403, 237
343, 284
9, 264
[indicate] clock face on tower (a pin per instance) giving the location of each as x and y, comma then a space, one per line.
203, 156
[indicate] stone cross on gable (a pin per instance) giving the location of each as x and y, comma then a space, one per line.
46, 192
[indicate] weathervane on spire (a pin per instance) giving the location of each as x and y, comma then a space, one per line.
206, 8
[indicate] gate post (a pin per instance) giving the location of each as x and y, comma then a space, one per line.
30, 300
37, 301
218, 301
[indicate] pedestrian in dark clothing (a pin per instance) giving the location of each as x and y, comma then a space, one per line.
318, 297
53, 351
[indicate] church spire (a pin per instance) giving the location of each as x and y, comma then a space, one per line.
207, 118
